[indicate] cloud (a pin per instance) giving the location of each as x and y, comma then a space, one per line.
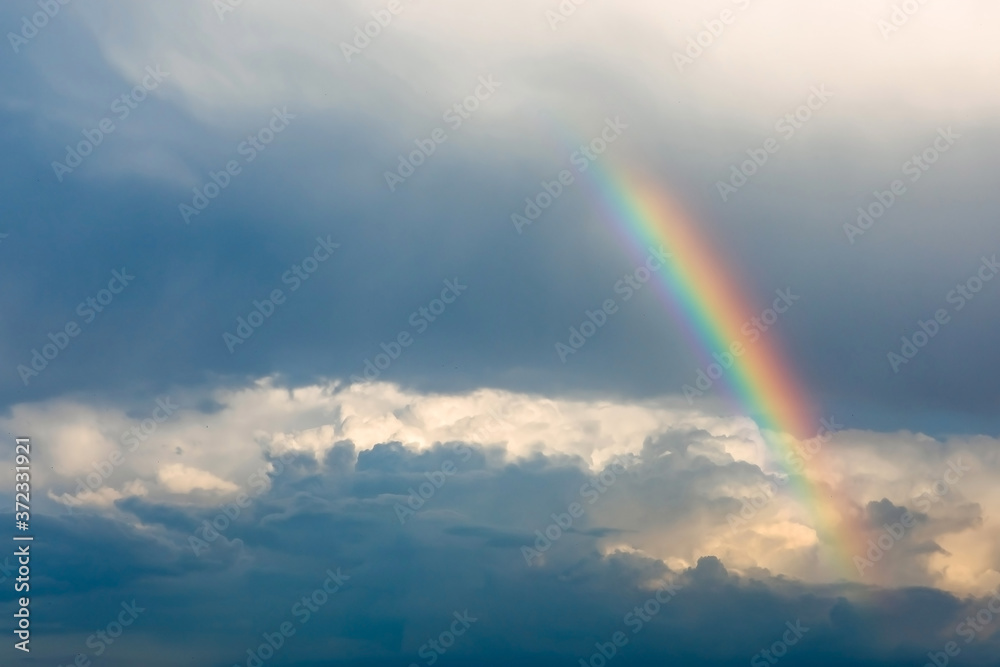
179, 478
699, 484
217, 66
354, 120
218, 488
655, 529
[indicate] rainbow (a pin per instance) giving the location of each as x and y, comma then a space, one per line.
707, 301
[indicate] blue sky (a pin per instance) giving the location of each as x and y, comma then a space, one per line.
299, 238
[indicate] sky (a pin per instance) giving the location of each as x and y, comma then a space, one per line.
393, 333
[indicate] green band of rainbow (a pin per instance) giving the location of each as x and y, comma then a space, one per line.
696, 286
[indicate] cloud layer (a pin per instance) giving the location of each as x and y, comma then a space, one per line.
528, 513
290, 366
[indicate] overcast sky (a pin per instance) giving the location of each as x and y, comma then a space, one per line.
254, 250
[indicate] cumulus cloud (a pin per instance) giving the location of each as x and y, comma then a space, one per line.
698, 484
493, 531
179, 478
481, 475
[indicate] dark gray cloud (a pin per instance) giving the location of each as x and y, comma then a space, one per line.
461, 551
451, 220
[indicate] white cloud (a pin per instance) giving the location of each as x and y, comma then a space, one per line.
693, 469
938, 63
179, 478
